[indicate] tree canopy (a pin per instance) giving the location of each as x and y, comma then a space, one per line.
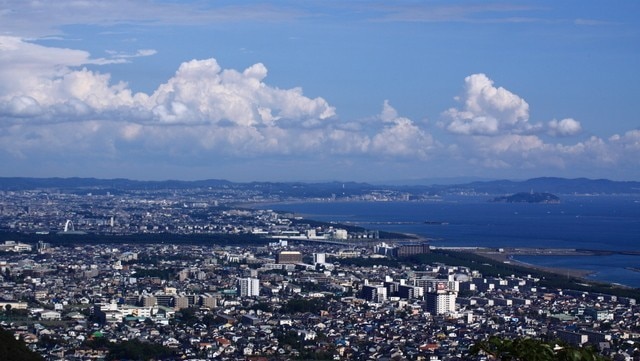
12, 349
528, 349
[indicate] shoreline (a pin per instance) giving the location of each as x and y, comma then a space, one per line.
507, 256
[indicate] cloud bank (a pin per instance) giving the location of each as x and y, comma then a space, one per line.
54, 109
488, 110
494, 130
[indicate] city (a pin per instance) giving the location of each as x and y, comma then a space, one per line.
189, 211
295, 289
257, 180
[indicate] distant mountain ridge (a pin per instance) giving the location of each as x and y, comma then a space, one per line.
558, 185
327, 189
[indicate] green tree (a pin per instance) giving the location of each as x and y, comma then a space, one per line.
137, 350
187, 316
12, 349
528, 349
300, 305
47, 341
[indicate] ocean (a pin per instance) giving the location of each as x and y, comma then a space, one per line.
582, 222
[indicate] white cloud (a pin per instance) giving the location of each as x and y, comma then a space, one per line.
45, 91
494, 132
21, 106
629, 140
138, 54
488, 110
401, 137
201, 92
511, 143
52, 106
514, 151
42, 81
564, 127
389, 114
203, 110
626, 147
46, 76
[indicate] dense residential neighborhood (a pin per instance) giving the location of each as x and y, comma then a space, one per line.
158, 212
69, 302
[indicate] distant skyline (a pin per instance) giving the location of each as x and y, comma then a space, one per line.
369, 91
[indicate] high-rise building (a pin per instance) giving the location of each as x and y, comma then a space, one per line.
248, 287
374, 293
148, 301
440, 302
208, 300
410, 292
180, 302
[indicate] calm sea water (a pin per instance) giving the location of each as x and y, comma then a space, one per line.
597, 222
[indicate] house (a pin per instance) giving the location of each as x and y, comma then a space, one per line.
50, 315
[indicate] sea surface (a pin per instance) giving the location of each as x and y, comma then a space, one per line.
577, 222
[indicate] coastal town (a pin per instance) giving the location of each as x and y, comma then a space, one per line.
191, 211
288, 301
406, 180
269, 286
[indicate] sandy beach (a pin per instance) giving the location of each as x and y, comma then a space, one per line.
506, 255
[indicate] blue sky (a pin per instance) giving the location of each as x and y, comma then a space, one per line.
320, 90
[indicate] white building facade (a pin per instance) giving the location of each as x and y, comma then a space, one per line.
248, 287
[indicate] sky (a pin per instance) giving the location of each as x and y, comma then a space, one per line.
370, 91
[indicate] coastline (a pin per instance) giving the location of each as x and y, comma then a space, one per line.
507, 256
483, 230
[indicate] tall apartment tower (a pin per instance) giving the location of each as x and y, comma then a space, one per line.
440, 302
374, 293
248, 287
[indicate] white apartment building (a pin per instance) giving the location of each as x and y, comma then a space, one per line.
248, 287
440, 302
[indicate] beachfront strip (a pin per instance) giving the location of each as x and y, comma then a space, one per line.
237, 303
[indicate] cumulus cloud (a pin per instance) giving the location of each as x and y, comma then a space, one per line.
388, 114
45, 92
515, 151
565, 127
629, 140
46, 76
202, 110
487, 110
20, 106
494, 131
51, 105
400, 136
38, 80
626, 147
202, 92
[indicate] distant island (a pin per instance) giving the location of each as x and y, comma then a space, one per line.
528, 197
